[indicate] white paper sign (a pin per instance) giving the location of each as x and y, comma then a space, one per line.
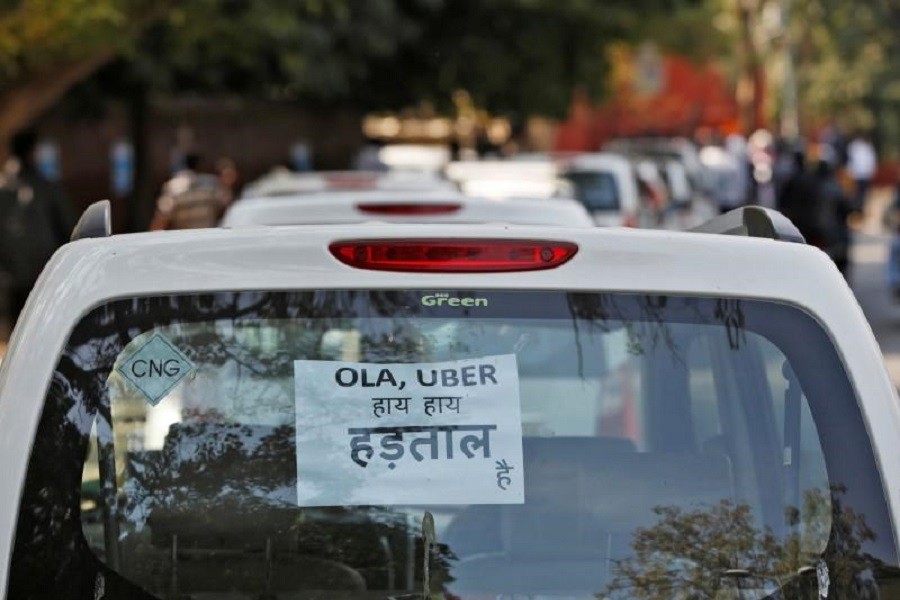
398, 434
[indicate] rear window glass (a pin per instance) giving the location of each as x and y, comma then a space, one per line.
470, 444
597, 190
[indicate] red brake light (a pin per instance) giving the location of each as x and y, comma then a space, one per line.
453, 256
410, 209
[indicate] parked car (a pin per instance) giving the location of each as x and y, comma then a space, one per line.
680, 149
688, 207
535, 178
652, 187
415, 158
606, 185
399, 207
282, 182
385, 411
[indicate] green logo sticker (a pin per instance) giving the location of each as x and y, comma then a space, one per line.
156, 367
445, 299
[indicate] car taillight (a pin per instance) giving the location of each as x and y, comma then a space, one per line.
453, 256
409, 208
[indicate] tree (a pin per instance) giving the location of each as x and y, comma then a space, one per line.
848, 56
523, 56
704, 553
46, 46
516, 56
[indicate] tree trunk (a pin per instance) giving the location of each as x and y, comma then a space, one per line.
26, 100
140, 208
749, 74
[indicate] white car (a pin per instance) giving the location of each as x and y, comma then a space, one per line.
429, 411
282, 182
398, 207
680, 149
507, 178
606, 185
415, 158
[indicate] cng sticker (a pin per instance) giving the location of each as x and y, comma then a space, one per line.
156, 367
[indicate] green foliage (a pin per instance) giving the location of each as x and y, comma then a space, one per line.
37, 35
517, 56
513, 55
691, 29
848, 54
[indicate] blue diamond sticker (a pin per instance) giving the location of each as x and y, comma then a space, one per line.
155, 368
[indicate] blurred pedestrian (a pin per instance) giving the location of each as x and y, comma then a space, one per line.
369, 156
35, 220
761, 150
797, 199
862, 162
833, 208
191, 199
783, 165
301, 157
229, 178
724, 181
483, 145
893, 221
736, 146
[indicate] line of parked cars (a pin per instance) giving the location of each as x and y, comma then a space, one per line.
643, 186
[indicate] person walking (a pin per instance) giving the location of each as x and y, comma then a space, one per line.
862, 162
797, 199
191, 199
833, 208
35, 220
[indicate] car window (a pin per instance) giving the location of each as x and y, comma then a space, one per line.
385, 443
597, 190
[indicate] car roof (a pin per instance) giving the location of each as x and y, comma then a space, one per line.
272, 258
344, 207
419, 158
283, 182
507, 178
597, 161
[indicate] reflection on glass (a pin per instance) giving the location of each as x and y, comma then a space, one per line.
673, 448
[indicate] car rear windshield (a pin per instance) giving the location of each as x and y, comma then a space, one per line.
467, 444
596, 190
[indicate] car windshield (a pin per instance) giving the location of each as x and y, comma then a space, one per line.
458, 444
597, 190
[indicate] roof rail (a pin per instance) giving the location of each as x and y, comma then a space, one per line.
753, 221
95, 222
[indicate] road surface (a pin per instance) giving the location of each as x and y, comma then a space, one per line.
869, 284
869, 258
